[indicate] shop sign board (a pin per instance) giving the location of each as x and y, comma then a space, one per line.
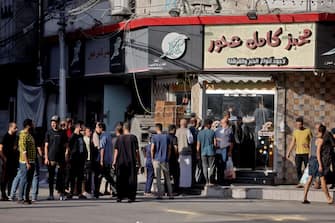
175, 48
325, 52
265, 46
97, 56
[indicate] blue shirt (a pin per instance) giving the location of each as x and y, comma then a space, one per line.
224, 137
161, 142
107, 145
206, 140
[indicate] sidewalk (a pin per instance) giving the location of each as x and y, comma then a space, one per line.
236, 191
262, 192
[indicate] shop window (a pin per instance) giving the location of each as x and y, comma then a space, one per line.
251, 117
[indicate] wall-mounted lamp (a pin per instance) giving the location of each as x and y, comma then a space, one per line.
252, 15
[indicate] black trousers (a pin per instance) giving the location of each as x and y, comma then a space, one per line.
76, 176
60, 181
9, 173
299, 159
220, 166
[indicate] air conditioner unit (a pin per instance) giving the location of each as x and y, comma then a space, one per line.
120, 7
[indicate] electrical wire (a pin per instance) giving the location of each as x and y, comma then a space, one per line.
128, 34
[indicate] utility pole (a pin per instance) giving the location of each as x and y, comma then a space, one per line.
40, 25
62, 74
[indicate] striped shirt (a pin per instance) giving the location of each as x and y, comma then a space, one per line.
27, 145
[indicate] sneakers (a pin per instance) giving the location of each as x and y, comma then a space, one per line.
62, 198
51, 198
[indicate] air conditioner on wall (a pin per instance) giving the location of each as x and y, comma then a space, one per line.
120, 7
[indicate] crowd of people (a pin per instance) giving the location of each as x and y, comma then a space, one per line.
78, 158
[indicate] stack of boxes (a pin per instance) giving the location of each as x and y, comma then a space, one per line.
168, 112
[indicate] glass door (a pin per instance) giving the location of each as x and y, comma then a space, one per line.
251, 117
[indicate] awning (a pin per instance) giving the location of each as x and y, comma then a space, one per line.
171, 80
233, 78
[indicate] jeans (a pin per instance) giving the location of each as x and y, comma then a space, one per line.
150, 178
220, 166
299, 159
208, 162
26, 181
15, 184
36, 180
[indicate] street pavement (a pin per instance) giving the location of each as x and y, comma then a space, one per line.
187, 208
184, 208
149, 210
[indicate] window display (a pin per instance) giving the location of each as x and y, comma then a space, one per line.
251, 117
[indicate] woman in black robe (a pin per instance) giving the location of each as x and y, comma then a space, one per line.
126, 158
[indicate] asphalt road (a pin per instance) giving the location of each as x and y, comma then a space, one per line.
181, 209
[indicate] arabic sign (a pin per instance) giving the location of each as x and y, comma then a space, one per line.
97, 57
175, 48
267, 46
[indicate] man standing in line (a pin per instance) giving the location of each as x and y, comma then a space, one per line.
224, 143
105, 155
27, 160
9, 156
160, 154
301, 141
126, 163
173, 160
56, 153
78, 156
205, 148
185, 139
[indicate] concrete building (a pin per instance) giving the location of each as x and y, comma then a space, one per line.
18, 44
265, 61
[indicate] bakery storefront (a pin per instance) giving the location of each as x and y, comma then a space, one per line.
246, 71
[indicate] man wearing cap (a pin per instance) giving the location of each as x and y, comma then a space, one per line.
56, 153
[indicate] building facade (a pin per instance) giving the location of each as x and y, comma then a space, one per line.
265, 68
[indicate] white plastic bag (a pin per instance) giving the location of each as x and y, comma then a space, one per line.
229, 173
304, 177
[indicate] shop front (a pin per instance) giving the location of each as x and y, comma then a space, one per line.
168, 57
245, 67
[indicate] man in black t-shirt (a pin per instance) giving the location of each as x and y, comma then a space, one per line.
9, 156
173, 161
56, 153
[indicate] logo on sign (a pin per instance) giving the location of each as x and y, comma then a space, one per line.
174, 45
